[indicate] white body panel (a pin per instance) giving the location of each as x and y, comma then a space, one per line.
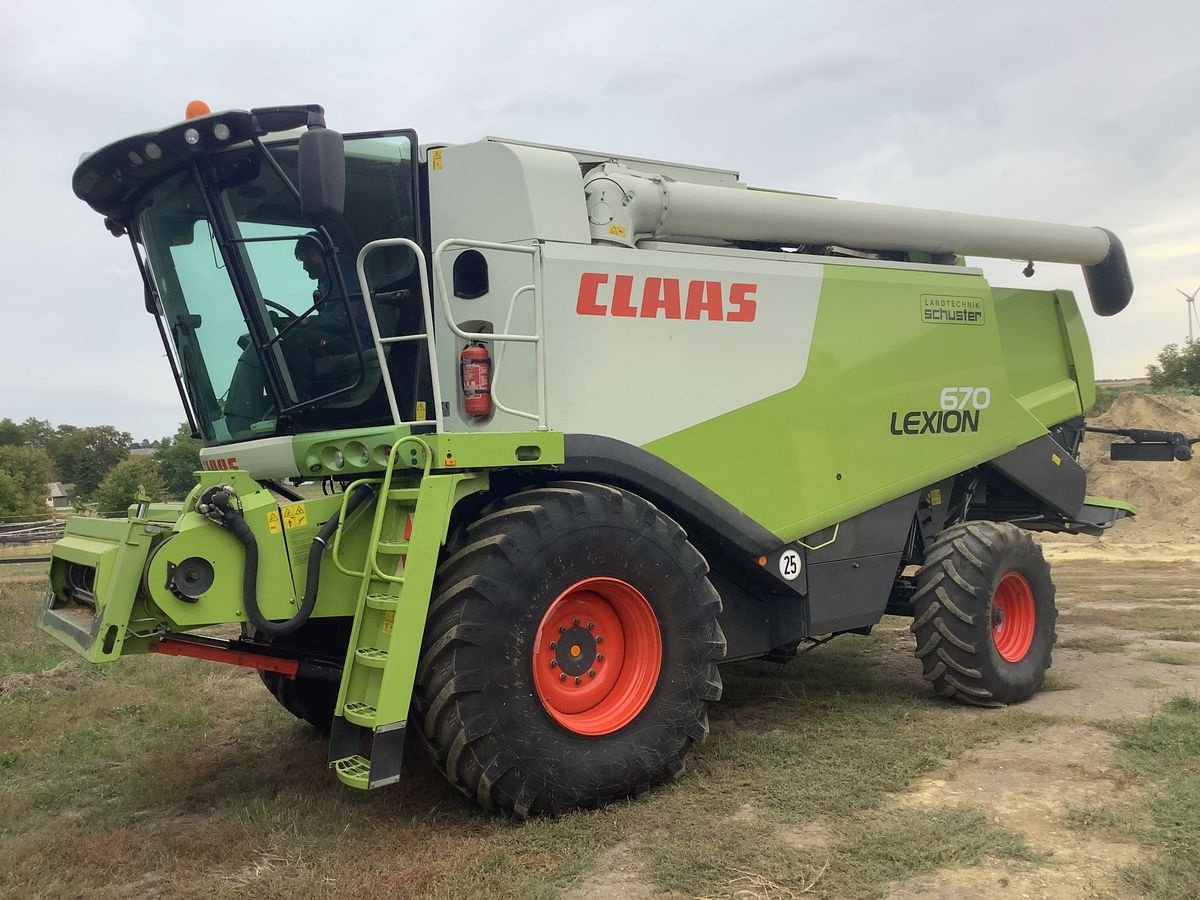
638, 377
271, 457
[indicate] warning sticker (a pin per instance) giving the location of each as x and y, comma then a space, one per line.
435, 158
295, 516
273, 522
616, 230
420, 417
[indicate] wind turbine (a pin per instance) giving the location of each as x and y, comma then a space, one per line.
1191, 302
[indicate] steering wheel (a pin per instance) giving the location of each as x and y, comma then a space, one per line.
271, 304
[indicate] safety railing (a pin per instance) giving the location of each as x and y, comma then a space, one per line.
503, 338
381, 341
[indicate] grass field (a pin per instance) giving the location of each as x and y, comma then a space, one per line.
838, 775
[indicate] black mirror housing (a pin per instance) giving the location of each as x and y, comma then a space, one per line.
322, 176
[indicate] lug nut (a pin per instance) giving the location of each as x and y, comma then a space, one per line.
554, 645
575, 622
562, 629
562, 677
578, 680
554, 663
599, 657
591, 625
591, 673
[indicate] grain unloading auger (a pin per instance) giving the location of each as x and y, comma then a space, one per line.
588, 425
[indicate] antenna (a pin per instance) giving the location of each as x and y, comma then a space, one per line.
1192, 317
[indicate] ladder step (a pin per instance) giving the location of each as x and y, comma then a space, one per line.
392, 548
410, 494
371, 656
354, 771
381, 601
361, 714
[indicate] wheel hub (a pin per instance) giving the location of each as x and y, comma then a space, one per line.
575, 651
1014, 617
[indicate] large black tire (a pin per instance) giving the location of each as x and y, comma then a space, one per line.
477, 699
973, 574
311, 699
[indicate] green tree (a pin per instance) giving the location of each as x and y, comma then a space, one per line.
178, 458
121, 486
14, 501
32, 432
84, 456
30, 471
1177, 367
10, 433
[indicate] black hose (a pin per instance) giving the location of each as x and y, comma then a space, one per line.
220, 501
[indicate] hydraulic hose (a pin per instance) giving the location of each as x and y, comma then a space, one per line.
217, 503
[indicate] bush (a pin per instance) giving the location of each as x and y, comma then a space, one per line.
121, 486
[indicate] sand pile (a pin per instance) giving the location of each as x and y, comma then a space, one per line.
1167, 495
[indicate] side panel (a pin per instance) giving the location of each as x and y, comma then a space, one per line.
1042, 336
868, 422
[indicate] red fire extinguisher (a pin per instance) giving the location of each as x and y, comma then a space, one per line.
476, 369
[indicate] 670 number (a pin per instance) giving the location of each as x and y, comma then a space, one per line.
966, 398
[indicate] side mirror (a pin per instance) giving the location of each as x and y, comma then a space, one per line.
322, 176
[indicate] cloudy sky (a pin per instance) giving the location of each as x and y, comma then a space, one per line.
1079, 112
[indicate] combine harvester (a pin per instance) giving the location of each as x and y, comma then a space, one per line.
589, 425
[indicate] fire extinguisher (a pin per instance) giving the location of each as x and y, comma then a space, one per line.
475, 367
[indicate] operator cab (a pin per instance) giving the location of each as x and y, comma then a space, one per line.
263, 305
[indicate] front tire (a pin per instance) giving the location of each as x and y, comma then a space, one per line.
984, 614
310, 699
570, 652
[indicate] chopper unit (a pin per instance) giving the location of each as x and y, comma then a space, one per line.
587, 426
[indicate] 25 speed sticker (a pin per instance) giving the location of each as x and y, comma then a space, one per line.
789, 565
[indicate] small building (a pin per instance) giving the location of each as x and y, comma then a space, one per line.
57, 495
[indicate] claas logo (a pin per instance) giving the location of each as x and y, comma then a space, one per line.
665, 298
220, 465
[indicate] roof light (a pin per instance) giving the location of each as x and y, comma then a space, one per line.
192, 136
135, 157
221, 131
196, 109
153, 151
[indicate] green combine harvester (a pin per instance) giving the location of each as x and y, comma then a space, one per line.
588, 425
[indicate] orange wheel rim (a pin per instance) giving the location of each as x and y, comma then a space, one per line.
1013, 617
597, 656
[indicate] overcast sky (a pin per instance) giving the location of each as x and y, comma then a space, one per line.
1079, 112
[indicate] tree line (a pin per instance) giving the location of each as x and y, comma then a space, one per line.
95, 460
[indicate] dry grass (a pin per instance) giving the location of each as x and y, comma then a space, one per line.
1170, 657
1095, 643
171, 777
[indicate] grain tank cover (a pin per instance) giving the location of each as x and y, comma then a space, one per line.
626, 206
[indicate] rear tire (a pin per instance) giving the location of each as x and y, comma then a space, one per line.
984, 614
534, 573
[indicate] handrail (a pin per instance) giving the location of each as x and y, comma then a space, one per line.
381, 509
494, 384
427, 334
536, 339
335, 551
